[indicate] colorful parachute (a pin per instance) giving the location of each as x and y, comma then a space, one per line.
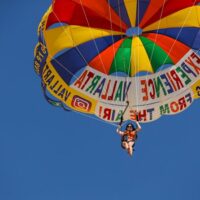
95, 55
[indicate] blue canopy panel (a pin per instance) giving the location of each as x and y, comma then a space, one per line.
142, 6
120, 9
70, 62
189, 36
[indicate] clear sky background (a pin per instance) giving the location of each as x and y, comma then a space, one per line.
48, 154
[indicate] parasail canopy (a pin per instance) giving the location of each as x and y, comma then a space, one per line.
95, 55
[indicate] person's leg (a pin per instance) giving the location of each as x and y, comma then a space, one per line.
125, 145
130, 148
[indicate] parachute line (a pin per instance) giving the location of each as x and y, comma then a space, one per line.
179, 32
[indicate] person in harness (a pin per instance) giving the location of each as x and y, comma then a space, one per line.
129, 136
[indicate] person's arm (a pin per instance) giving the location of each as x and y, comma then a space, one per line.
137, 122
138, 126
119, 131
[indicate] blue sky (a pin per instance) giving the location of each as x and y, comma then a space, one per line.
48, 154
